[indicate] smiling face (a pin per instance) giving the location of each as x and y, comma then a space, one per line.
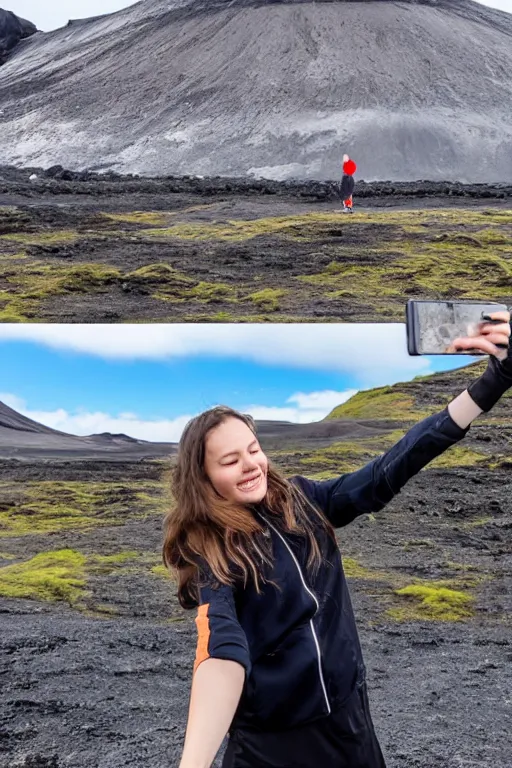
234, 462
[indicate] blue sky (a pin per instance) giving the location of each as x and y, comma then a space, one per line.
56, 13
147, 381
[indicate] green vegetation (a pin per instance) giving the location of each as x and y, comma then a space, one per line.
148, 218
4, 257
42, 238
267, 298
34, 281
161, 570
458, 456
301, 227
52, 506
38, 281
376, 261
385, 403
436, 603
342, 456
63, 575
209, 292
354, 570
15, 309
423, 599
317, 226
50, 576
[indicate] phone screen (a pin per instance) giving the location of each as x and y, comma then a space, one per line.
432, 326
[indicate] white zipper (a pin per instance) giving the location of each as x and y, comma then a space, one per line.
313, 631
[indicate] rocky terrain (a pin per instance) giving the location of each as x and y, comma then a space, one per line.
96, 655
12, 31
83, 247
412, 89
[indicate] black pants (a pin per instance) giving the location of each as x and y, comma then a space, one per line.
344, 739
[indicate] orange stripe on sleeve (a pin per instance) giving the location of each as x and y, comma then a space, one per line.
203, 635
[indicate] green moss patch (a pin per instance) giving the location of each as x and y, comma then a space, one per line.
380, 403
49, 576
42, 238
63, 576
295, 227
436, 603
38, 281
267, 298
354, 570
161, 571
16, 309
144, 218
458, 456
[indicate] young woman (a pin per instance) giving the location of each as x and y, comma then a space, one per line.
278, 661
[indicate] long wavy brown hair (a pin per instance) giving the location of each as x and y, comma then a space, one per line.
202, 527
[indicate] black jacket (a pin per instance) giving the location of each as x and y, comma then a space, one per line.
299, 643
347, 186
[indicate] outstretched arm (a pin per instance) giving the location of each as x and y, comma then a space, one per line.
221, 665
370, 488
216, 690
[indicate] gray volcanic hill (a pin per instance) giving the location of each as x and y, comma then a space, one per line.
23, 438
12, 30
412, 90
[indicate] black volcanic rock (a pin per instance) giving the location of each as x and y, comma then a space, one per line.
412, 90
12, 30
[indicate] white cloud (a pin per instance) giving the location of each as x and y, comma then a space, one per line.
312, 406
323, 401
308, 407
375, 352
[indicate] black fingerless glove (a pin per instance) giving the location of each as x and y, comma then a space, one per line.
493, 383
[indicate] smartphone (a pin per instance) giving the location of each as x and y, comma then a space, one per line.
433, 325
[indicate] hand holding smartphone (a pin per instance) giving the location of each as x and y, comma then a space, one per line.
457, 328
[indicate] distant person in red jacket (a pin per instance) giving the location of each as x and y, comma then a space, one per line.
347, 184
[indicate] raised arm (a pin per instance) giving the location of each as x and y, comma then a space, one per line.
369, 489
221, 665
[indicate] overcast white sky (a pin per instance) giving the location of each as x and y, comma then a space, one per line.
56, 13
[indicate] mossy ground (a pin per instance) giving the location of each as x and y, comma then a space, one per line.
382, 403
64, 575
214, 268
450, 599
51, 507
350, 455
